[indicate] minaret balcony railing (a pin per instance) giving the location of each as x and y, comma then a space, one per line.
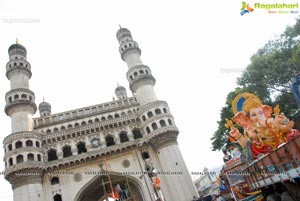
152, 105
128, 50
127, 45
18, 69
19, 94
154, 118
21, 135
15, 91
163, 130
20, 103
164, 137
141, 80
138, 70
18, 63
25, 168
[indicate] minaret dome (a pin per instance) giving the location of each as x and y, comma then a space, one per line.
120, 92
123, 33
45, 109
17, 49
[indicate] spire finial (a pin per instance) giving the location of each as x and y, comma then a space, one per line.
43, 98
118, 84
17, 41
120, 26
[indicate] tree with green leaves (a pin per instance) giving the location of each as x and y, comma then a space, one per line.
220, 137
269, 76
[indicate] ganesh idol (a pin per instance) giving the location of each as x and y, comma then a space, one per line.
263, 131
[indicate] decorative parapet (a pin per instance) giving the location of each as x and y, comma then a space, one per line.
92, 126
84, 112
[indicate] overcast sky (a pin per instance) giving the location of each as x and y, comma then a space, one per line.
195, 50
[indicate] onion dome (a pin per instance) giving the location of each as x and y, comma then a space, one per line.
120, 92
17, 49
45, 108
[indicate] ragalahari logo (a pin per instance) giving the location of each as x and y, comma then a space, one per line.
246, 8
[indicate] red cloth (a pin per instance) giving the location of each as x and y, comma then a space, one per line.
116, 194
264, 149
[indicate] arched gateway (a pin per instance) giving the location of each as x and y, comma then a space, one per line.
100, 186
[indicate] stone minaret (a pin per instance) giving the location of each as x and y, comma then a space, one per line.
157, 123
23, 154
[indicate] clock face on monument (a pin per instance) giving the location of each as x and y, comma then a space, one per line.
95, 142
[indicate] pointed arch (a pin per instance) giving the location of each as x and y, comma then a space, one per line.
91, 191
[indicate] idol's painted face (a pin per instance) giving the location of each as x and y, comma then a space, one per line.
253, 115
257, 116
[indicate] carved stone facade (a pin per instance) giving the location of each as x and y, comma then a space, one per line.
79, 155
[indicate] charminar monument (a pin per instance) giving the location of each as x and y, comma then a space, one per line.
125, 148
